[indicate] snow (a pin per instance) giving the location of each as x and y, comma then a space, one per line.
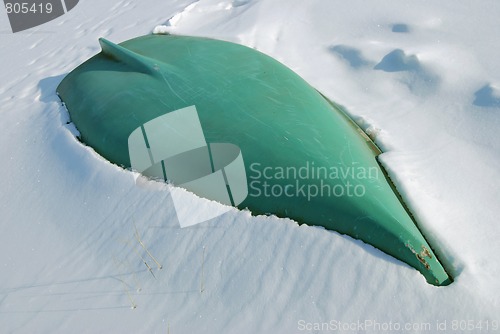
421, 77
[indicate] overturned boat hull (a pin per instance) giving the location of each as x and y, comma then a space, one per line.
304, 158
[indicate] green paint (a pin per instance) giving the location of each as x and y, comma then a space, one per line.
281, 124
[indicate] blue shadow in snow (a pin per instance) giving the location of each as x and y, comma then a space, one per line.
485, 97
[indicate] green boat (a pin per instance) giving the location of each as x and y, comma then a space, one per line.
302, 157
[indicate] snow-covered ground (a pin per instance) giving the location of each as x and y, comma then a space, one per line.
422, 78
